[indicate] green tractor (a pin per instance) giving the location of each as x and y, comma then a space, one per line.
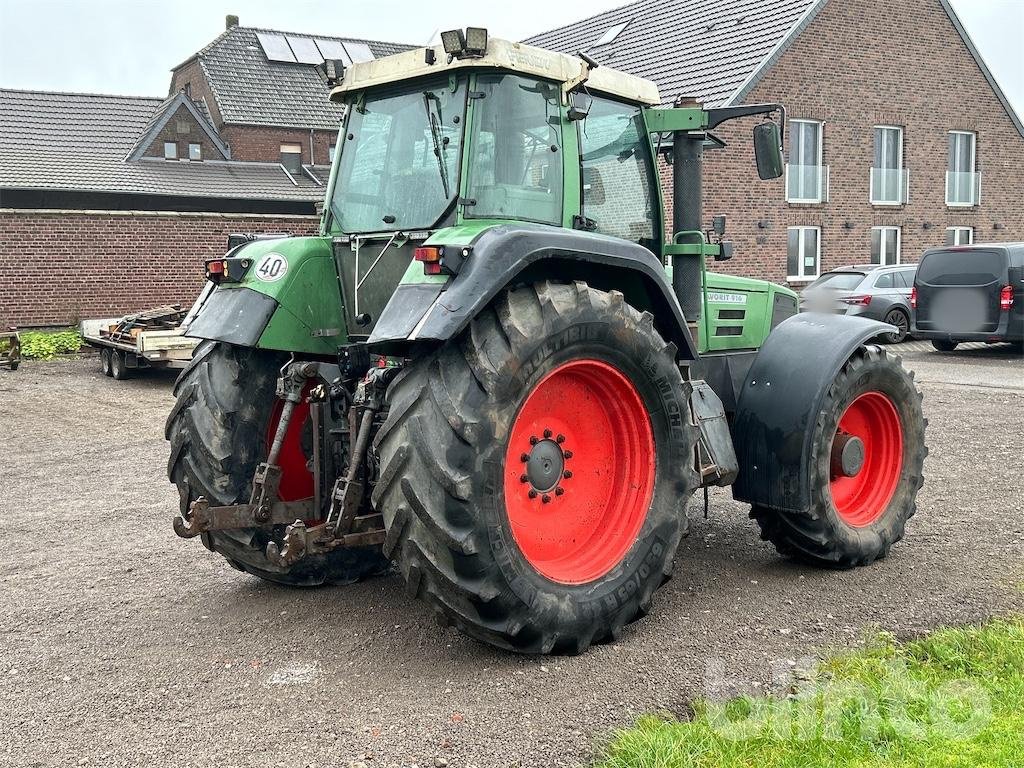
496, 369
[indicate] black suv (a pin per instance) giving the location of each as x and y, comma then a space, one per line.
970, 293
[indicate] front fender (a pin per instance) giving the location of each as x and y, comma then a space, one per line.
298, 311
779, 403
500, 254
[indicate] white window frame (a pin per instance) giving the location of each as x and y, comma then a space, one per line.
199, 151
956, 235
973, 170
173, 156
803, 277
899, 169
881, 245
823, 176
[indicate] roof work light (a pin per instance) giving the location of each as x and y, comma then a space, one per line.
470, 44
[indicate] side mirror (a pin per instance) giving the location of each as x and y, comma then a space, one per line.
768, 150
579, 105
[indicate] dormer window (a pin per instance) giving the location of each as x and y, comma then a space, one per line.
195, 152
170, 150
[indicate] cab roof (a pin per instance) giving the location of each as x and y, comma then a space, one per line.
501, 55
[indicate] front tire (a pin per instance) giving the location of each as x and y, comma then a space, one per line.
218, 430
535, 471
944, 345
861, 495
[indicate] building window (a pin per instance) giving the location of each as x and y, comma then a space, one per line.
963, 183
195, 152
804, 253
291, 157
959, 235
170, 150
889, 180
330, 153
806, 177
885, 245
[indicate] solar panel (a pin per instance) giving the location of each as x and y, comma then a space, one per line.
359, 51
276, 47
305, 50
333, 49
611, 33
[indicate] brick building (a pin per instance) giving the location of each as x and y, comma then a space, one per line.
899, 137
109, 204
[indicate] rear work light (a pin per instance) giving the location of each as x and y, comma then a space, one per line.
858, 301
913, 297
1006, 298
439, 259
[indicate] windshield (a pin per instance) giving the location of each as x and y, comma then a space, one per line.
516, 171
839, 281
399, 165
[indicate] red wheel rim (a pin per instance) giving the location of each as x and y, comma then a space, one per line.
579, 471
296, 479
861, 499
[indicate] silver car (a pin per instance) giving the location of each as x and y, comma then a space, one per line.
872, 291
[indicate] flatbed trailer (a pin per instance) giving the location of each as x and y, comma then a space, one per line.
151, 339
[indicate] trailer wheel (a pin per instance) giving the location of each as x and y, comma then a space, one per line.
865, 468
105, 365
535, 471
220, 428
118, 365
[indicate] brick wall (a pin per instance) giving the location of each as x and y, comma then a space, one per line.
263, 144
182, 129
190, 77
857, 65
57, 267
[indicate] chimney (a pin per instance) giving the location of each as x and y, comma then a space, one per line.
231, 20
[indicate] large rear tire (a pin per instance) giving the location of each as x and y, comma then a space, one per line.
218, 433
535, 471
854, 519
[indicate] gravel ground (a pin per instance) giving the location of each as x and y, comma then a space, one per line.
122, 645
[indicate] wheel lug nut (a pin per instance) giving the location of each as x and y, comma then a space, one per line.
567, 474
560, 439
567, 454
534, 440
545, 498
548, 433
533, 494
525, 457
559, 491
523, 479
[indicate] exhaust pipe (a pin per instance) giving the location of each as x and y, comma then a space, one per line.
687, 215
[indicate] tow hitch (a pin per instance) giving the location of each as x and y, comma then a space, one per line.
343, 525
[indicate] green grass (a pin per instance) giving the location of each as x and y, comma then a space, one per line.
46, 345
952, 698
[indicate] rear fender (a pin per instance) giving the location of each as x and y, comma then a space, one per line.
297, 308
505, 255
779, 402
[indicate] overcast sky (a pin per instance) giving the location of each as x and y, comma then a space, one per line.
129, 46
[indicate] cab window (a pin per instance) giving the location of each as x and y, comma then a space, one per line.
516, 166
618, 180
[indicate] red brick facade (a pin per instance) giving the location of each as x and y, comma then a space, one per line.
62, 266
263, 143
858, 65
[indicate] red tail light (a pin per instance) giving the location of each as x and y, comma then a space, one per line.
913, 297
1006, 298
431, 258
859, 301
